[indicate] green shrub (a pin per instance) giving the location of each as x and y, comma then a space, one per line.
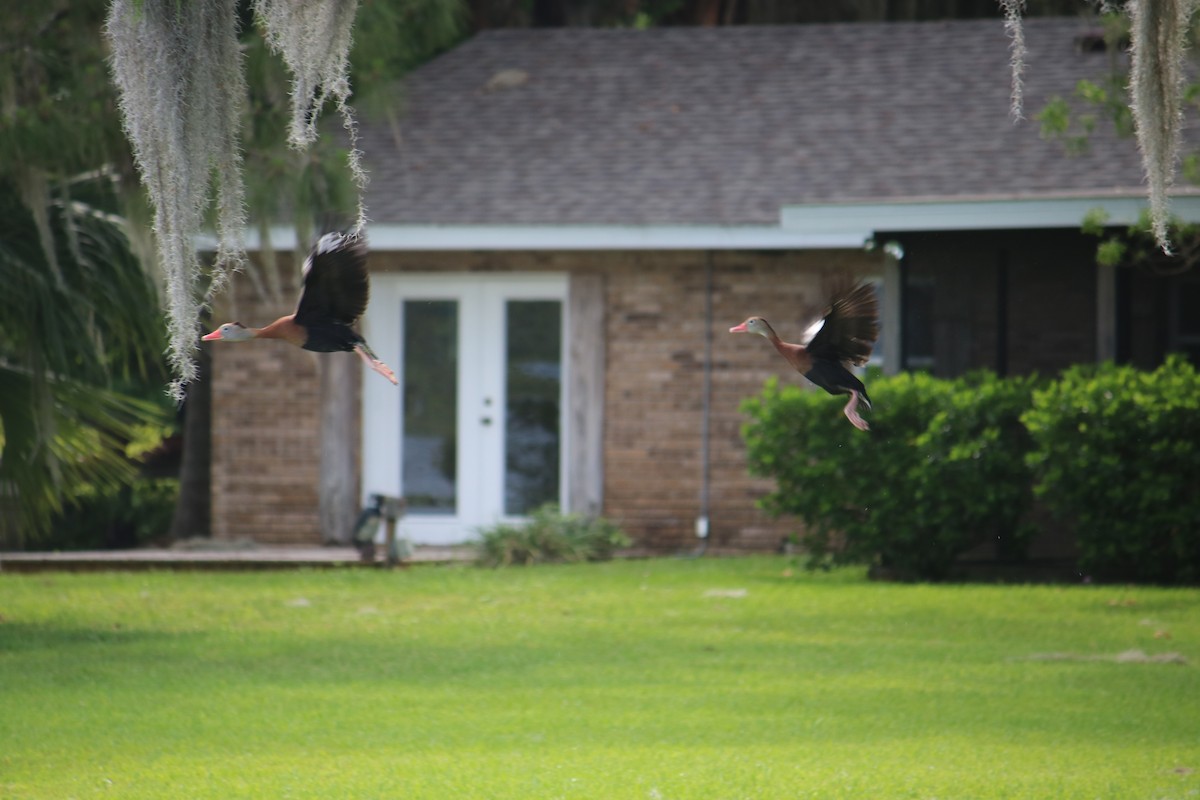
114, 517
1117, 453
941, 470
550, 536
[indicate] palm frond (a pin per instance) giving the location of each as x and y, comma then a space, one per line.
66, 336
75, 434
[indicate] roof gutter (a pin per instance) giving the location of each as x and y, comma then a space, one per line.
973, 214
813, 226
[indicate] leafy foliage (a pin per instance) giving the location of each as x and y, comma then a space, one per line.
550, 536
128, 515
67, 336
397, 36
1136, 247
71, 439
53, 63
1074, 129
1117, 452
1144, 96
941, 470
1113, 451
87, 317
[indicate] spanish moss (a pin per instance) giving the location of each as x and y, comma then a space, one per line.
177, 67
314, 39
1013, 9
1158, 33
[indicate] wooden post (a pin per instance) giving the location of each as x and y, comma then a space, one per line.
585, 417
1106, 312
892, 311
336, 491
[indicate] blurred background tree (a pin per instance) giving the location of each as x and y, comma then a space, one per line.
77, 348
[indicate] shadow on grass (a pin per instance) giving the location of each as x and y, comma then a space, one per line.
19, 637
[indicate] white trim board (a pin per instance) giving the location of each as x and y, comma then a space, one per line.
946, 214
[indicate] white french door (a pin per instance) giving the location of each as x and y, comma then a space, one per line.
474, 434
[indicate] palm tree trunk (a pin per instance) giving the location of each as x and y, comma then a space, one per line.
193, 509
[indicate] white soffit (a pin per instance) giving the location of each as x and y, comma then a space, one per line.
942, 214
607, 237
586, 237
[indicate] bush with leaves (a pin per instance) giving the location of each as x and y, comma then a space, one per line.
941, 470
106, 517
550, 536
1117, 453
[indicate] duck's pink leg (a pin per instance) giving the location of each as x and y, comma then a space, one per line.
375, 363
852, 414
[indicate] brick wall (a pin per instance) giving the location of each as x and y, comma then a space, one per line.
265, 432
265, 401
655, 381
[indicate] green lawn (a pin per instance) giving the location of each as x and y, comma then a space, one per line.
703, 679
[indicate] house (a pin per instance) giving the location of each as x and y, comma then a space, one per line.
566, 222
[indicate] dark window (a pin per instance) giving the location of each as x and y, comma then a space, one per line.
918, 323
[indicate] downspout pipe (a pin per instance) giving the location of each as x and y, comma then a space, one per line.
702, 520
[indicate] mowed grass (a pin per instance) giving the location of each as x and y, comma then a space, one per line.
732, 678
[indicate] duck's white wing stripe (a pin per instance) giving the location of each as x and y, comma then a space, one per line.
811, 331
326, 244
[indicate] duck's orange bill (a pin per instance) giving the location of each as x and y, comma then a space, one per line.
738, 328
210, 337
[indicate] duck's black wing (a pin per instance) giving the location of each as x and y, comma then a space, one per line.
850, 327
336, 283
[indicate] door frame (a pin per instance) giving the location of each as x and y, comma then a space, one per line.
382, 442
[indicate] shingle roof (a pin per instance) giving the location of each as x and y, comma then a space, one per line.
724, 126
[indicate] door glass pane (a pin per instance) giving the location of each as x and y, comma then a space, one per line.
533, 382
430, 471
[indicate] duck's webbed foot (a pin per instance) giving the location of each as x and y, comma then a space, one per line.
851, 412
375, 364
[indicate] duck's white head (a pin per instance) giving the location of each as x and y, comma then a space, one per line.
753, 325
229, 332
